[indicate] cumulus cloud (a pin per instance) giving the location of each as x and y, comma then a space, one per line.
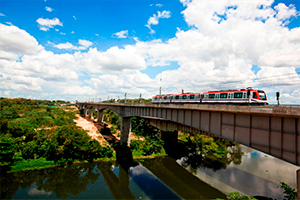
114, 60
122, 34
15, 42
284, 12
219, 51
83, 44
154, 20
2, 15
28, 70
46, 24
49, 9
225, 41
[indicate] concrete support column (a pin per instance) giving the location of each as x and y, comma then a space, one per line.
84, 112
91, 113
125, 130
298, 183
100, 116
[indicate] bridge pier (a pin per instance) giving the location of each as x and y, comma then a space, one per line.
125, 130
91, 113
99, 116
84, 112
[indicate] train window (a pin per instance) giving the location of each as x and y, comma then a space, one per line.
211, 96
223, 96
217, 96
245, 95
262, 95
197, 96
184, 97
206, 96
176, 97
165, 97
238, 95
254, 95
192, 96
155, 98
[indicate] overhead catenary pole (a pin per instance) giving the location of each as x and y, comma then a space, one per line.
160, 91
125, 98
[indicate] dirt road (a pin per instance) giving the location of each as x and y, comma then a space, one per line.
91, 129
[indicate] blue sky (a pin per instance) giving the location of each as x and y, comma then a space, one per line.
79, 50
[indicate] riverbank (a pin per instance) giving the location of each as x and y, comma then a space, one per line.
93, 129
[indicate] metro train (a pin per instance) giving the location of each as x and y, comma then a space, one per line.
242, 96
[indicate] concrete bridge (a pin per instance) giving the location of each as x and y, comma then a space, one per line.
274, 130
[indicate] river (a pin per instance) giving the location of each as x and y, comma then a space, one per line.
246, 170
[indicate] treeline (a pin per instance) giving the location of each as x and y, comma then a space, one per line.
35, 129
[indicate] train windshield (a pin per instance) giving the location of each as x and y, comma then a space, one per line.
262, 95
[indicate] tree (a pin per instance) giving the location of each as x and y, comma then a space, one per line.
7, 150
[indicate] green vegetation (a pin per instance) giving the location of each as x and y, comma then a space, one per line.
149, 143
40, 133
289, 192
237, 196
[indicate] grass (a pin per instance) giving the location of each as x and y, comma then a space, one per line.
32, 164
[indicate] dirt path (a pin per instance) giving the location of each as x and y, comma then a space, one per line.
91, 129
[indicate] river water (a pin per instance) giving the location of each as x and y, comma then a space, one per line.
191, 177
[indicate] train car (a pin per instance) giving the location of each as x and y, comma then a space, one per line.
242, 96
165, 98
186, 98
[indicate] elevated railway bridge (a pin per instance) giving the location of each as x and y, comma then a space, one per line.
274, 130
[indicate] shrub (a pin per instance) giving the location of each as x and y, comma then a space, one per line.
7, 150
147, 147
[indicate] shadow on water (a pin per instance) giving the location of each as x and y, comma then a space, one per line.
215, 161
181, 181
123, 152
216, 166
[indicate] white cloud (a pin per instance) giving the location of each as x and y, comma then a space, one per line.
2, 15
219, 50
74, 17
42, 74
114, 60
16, 42
122, 34
46, 24
83, 44
49, 9
284, 12
228, 38
154, 20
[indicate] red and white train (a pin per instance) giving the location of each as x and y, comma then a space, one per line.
243, 96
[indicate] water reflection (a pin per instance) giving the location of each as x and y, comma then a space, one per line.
257, 174
161, 178
194, 176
